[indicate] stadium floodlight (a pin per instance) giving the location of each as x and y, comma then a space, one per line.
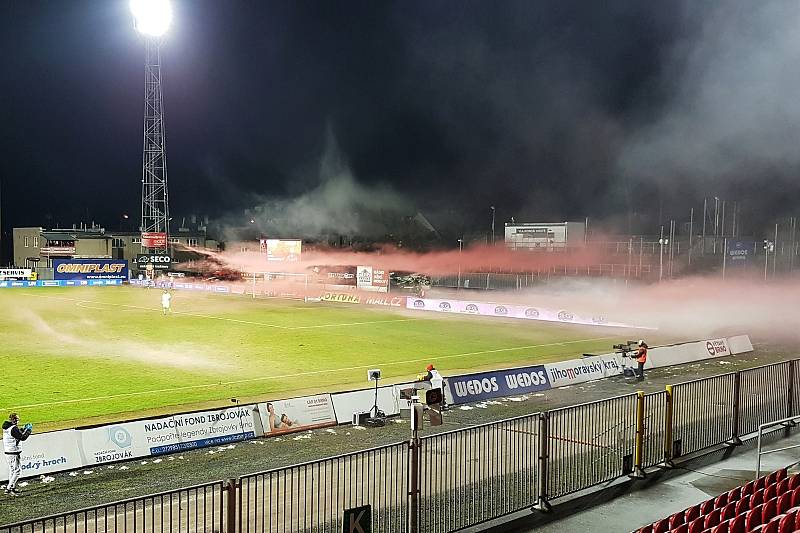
151, 17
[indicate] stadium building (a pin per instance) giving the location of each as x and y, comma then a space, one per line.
36, 247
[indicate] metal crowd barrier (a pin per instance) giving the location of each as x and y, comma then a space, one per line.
462, 478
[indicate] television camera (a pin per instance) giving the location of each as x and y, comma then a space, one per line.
627, 350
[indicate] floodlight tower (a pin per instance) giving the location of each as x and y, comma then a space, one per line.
151, 19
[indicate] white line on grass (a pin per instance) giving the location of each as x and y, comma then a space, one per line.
227, 319
299, 374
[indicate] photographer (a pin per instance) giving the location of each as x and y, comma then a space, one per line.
641, 359
12, 436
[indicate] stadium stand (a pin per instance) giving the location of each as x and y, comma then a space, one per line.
770, 504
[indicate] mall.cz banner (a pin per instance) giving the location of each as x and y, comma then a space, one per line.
486, 385
90, 269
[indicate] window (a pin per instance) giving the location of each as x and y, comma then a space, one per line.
36, 242
27, 241
117, 243
174, 240
136, 240
192, 242
243, 249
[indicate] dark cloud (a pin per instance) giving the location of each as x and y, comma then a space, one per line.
547, 110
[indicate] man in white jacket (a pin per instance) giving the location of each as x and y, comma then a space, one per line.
12, 436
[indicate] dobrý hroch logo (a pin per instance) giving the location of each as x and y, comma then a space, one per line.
444, 306
531, 312
472, 308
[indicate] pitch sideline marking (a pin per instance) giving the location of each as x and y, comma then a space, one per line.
212, 317
299, 374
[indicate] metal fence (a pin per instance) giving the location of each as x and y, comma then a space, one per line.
589, 444
197, 509
472, 475
457, 479
312, 496
702, 413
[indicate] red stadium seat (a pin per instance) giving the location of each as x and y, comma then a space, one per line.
772, 477
691, 513
781, 474
683, 528
677, 519
721, 501
734, 494
757, 499
794, 481
706, 507
697, 525
796, 497
646, 529
722, 527
737, 524
759, 483
784, 502
712, 519
769, 510
753, 518
786, 523
743, 504
770, 492
748, 488
771, 527
783, 486
662, 526
729, 511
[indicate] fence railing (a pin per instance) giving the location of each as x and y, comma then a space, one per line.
467, 476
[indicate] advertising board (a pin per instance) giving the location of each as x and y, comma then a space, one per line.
154, 261
282, 249
371, 279
740, 252
15, 273
168, 434
512, 311
297, 414
154, 239
499, 383
386, 301
340, 297
46, 453
364, 277
581, 370
90, 269
336, 276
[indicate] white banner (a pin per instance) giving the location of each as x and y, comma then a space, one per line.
296, 414
512, 311
46, 453
15, 273
582, 370
364, 277
359, 401
167, 434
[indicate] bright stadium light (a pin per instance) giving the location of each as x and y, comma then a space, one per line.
152, 17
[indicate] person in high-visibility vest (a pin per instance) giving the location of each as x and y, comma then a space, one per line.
641, 359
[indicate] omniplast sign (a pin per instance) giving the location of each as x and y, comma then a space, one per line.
90, 269
486, 385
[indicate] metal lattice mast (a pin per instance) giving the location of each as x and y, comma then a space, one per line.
155, 196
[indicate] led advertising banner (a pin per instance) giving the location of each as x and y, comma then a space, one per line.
154, 239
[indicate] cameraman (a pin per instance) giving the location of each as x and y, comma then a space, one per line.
12, 436
641, 359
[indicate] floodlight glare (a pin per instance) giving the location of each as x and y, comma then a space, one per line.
152, 17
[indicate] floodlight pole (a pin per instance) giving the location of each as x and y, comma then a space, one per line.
155, 197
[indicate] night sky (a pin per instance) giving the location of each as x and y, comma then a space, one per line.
548, 110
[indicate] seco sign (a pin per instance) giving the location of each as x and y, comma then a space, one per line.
159, 261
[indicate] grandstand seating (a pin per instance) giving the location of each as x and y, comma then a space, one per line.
770, 504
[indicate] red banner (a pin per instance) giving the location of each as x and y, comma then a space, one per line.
152, 239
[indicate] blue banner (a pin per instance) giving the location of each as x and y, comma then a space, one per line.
59, 283
202, 443
740, 252
475, 387
90, 269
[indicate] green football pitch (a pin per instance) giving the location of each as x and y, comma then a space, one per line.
76, 356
